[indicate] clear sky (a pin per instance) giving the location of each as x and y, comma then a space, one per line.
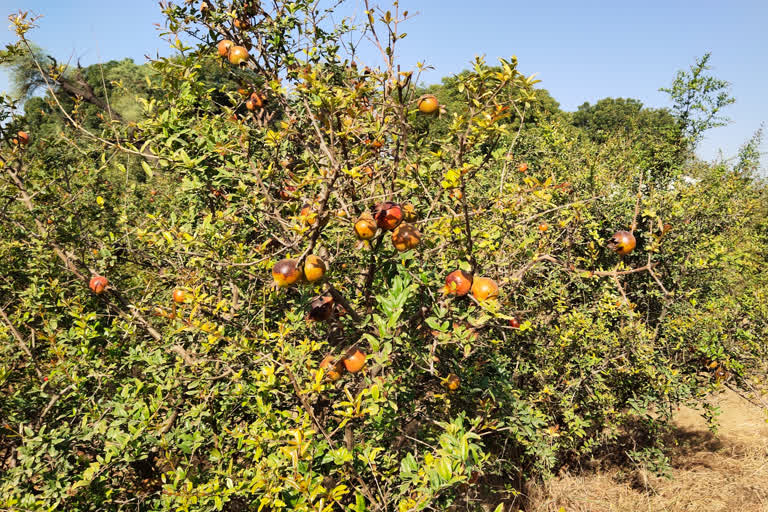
582, 51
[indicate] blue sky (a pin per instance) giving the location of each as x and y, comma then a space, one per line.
582, 51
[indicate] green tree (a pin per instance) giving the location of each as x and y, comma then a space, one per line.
698, 99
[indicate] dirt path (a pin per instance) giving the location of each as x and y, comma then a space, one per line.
727, 472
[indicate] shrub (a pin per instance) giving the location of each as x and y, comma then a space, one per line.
228, 400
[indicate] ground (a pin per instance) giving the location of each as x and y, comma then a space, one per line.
711, 473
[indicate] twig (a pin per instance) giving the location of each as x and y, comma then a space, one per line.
52, 402
633, 226
338, 297
319, 426
512, 145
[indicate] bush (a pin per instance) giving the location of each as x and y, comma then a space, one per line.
218, 400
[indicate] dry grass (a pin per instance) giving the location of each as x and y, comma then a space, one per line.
727, 472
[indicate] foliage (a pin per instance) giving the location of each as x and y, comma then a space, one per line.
698, 99
749, 154
130, 400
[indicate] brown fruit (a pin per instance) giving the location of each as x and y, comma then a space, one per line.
314, 268
365, 227
179, 296
452, 382
522, 167
250, 105
484, 288
355, 362
321, 308
23, 138
98, 284
388, 215
623, 242
332, 371
406, 237
224, 47
326, 362
237, 55
514, 323
285, 273
428, 104
242, 91
458, 283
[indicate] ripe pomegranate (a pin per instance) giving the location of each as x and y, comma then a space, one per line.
238, 55
365, 227
388, 215
428, 104
179, 296
285, 273
484, 288
452, 382
458, 283
406, 237
355, 362
98, 284
224, 46
314, 268
623, 242
332, 371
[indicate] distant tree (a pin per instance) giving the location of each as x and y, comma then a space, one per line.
610, 115
606, 116
653, 131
